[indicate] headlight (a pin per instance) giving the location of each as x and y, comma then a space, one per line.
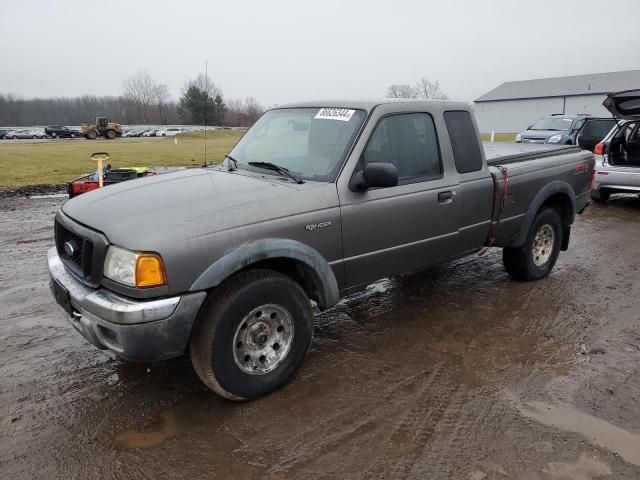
518, 138
134, 269
554, 139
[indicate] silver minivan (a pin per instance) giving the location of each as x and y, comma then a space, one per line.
618, 155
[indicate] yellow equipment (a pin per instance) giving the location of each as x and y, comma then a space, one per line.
102, 128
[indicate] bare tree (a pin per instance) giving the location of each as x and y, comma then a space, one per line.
401, 91
139, 88
429, 90
161, 97
205, 84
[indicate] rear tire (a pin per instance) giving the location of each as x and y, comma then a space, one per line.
537, 256
73, 135
251, 334
53, 134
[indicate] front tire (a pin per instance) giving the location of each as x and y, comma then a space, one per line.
111, 134
252, 334
537, 256
91, 135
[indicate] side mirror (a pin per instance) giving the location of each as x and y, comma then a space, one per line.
529, 127
375, 175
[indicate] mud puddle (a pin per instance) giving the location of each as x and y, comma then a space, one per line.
406, 380
599, 432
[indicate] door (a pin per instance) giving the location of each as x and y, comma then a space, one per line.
594, 132
475, 195
406, 227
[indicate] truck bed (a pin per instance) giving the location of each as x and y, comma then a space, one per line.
503, 153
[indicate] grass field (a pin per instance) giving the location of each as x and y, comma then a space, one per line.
55, 162
499, 137
26, 163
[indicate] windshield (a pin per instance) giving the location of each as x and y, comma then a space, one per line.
552, 123
310, 142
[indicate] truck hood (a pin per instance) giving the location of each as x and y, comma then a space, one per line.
144, 214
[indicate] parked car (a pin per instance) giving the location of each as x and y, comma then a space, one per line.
23, 134
149, 133
3, 132
58, 131
38, 133
557, 129
315, 202
11, 134
618, 155
168, 132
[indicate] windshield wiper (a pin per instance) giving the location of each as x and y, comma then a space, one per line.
235, 163
277, 168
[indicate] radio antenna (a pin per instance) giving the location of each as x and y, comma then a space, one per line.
206, 105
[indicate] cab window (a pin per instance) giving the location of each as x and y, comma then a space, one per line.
408, 141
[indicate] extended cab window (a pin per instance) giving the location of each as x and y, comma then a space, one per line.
409, 141
464, 141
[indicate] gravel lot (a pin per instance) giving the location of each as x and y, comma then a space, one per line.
456, 373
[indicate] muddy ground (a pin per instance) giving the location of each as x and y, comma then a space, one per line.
456, 373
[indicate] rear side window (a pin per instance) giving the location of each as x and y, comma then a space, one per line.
464, 141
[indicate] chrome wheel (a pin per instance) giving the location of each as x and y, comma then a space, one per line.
263, 339
543, 245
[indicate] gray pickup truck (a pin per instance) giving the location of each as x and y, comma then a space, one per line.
315, 202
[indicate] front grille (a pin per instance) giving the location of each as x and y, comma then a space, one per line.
81, 258
533, 139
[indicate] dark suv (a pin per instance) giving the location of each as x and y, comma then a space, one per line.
566, 129
61, 132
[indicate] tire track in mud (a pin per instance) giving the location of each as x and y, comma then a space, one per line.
434, 409
362, 424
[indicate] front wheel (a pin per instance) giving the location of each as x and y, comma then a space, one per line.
111, 134
536, 258
91, 135
252, 334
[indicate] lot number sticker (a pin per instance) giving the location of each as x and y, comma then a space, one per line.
343, 114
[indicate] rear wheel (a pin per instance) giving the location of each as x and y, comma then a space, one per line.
72, 135
536, 258
111, 134
252, 334
53, 134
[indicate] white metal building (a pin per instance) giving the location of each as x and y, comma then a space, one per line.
513, 106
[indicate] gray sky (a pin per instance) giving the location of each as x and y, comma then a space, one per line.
286, 50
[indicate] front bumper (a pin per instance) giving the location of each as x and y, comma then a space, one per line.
138, 330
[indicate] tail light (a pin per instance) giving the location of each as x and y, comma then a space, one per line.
592, 180
599, 150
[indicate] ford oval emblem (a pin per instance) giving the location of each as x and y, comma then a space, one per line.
70, 248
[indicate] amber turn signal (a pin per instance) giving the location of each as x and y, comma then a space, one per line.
150, 271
